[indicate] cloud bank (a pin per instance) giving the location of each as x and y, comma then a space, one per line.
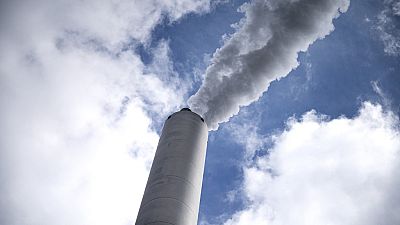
263, 48
320, 171
76, 138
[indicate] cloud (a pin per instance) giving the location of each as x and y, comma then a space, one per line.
263, 48
384, 99
393, 6
246, 133
78, 107
387, 29
111, 23
322, 171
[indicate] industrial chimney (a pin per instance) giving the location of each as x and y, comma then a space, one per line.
172, 194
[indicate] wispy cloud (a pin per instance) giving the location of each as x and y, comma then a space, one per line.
388, 31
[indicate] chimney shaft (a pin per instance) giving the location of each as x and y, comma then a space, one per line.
172, 194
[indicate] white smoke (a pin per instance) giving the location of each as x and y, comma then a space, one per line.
264, 48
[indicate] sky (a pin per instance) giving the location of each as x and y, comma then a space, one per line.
301, 98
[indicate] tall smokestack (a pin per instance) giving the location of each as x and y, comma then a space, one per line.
172, 194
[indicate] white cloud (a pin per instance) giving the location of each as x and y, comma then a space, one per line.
111, 23
263, 48
76, 139
320, 171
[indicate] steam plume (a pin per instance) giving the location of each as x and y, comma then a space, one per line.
264, 48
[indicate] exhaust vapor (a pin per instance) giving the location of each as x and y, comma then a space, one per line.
264, 48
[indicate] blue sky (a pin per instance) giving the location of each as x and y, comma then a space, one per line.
82, 118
